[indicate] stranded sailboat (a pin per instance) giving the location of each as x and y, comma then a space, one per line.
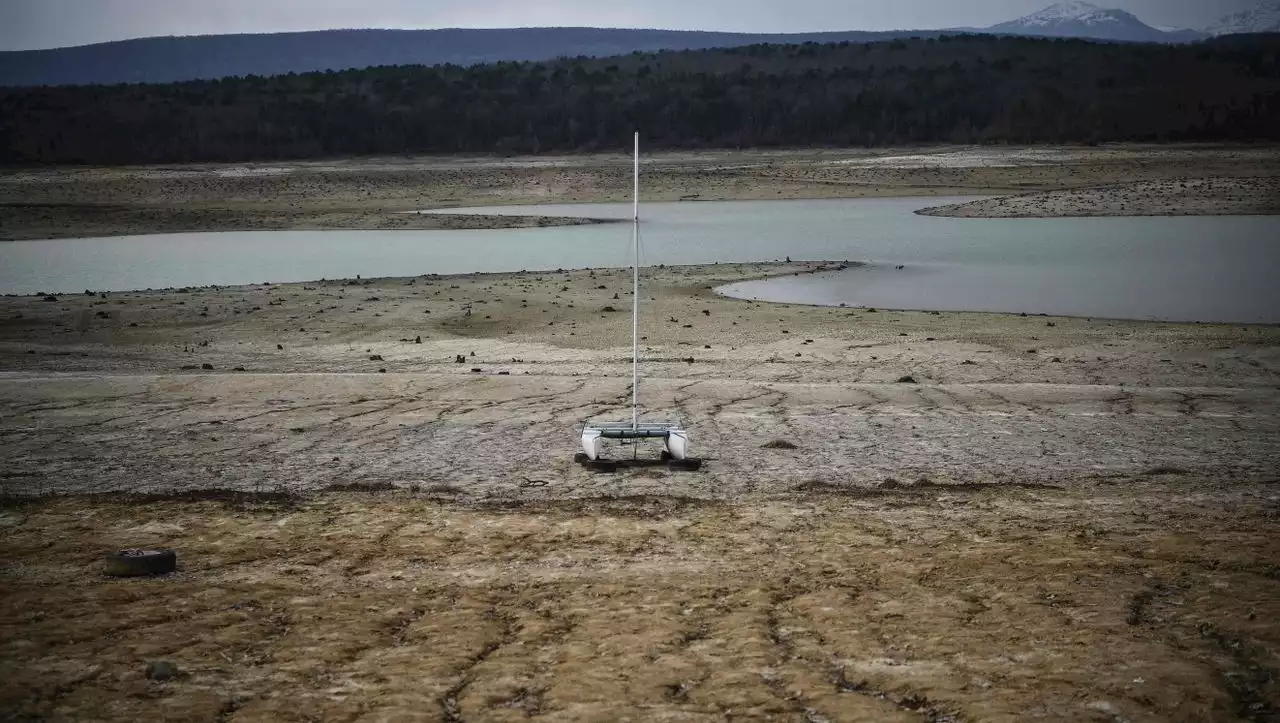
673, 434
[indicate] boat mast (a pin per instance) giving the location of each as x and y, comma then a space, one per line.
635, 298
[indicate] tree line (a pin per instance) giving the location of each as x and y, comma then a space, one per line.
949, 89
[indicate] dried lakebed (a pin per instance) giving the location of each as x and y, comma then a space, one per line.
1054, 518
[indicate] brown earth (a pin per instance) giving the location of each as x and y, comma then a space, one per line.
1059, 519
377, 193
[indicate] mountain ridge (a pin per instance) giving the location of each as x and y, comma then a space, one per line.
207, 57
1080, 19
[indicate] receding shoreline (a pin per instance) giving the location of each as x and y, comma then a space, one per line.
1182, 197
378, 193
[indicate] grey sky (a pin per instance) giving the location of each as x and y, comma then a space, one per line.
26, 24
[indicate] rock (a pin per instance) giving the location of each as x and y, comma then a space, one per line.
280, 347
417, 340
375, 357
163, 670
908, 379
207, 366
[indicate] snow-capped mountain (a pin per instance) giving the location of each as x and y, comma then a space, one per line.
1265, 18
1078, 19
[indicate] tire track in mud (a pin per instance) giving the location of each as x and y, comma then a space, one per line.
912, 703
1122, 403
1014, 406
285, 410
784, 650
873, 400
718, 407
376, 548
449, 704
73, 404
956, 403
1236, 661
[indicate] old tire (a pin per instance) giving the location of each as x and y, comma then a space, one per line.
666, 456
140, 563
601, 465
691, 464
580, 458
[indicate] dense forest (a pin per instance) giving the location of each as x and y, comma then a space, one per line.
961, 89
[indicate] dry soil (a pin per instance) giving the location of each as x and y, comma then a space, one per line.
901, 515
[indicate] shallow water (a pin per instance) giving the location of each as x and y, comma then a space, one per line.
1188, 268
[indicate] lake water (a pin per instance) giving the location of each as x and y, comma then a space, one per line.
1187, 268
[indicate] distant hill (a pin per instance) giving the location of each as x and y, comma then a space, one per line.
1077, 19
952, 89
204, 57
207, 57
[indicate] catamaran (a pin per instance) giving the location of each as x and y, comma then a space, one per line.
674, 435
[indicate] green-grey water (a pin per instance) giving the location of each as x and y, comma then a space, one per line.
1208, 268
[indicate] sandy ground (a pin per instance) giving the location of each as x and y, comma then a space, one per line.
1057, 519
375, 193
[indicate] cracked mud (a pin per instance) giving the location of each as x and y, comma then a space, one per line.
1007, 538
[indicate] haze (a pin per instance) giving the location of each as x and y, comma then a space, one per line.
31, 24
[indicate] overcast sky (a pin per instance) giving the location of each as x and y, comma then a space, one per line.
27, 24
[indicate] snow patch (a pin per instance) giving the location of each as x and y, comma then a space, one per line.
1076, 10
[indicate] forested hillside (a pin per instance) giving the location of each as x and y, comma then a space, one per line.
952, 89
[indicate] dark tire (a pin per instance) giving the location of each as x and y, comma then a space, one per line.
601, 465
140, 563
666, 456
684, 465
580, 458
